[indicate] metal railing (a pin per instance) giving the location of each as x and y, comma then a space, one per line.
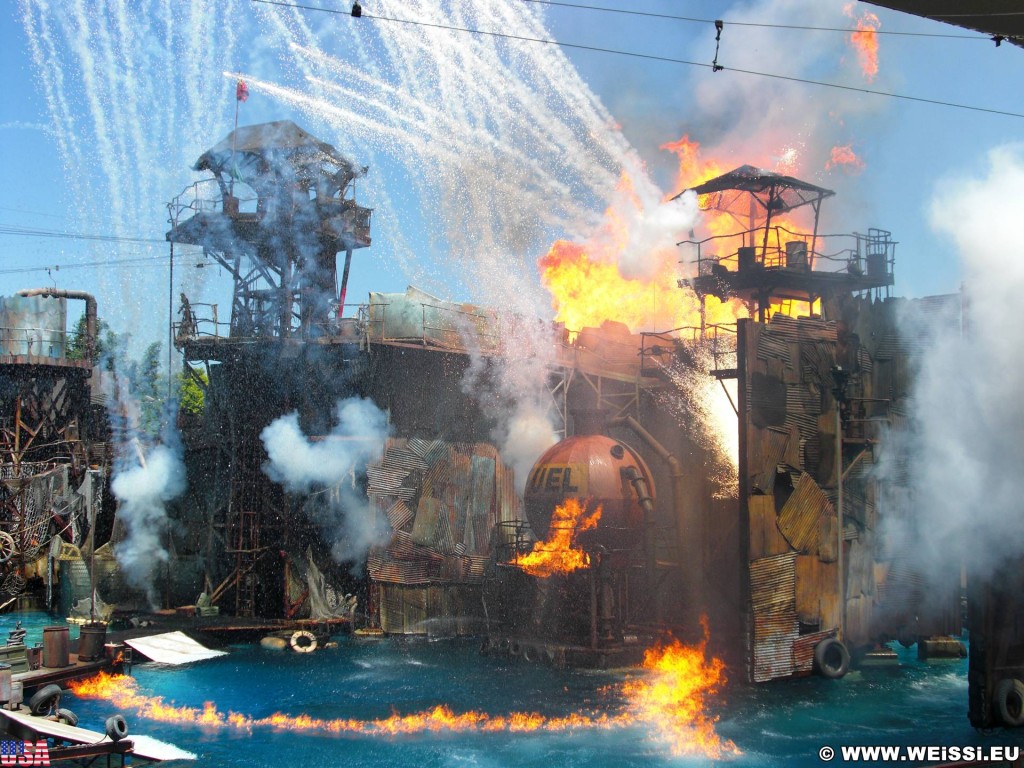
871, 254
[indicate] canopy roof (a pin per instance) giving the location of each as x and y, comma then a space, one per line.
775, 192
281, 136
1002, 18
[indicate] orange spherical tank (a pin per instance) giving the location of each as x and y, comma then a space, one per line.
597, 470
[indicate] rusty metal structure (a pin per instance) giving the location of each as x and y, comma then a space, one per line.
276, 212
768, 260
817, 394
54, 460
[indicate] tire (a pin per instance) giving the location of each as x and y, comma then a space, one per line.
303, 641
45, 700
1010, 701
67, 717
116, 727
831, 659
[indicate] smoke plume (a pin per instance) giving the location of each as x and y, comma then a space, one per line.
143, 491
330, 469
969, 416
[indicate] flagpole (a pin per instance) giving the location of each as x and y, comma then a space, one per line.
231, 186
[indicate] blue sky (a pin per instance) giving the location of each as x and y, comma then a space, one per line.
481, 150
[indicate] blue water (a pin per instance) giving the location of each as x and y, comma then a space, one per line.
780, 724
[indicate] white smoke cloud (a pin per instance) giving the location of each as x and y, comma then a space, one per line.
968, 409
143, 491
330, 468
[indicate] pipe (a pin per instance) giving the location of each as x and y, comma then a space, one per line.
675, 471
632, 474
90, 312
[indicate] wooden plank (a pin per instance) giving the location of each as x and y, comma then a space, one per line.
816, 587
765, 537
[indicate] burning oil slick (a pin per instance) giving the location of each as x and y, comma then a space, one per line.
671, 698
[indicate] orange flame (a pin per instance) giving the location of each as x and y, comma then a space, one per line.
670, 699
123, 692
560, 554
844, 156
588, 286
865, 41
673, 698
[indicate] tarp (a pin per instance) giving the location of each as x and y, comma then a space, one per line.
145, 747
172, 648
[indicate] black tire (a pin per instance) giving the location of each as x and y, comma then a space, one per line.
1010, 701
116, 727
45, 700
831, 659
67, 717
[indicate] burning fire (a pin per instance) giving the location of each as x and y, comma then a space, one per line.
670, 698
560, 553
845, 156
123, 692
673, 697
865, 41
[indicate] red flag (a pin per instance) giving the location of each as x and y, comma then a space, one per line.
241, 91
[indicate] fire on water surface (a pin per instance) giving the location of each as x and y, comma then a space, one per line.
670, 699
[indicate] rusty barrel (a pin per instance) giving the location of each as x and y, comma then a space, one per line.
56, 647
91, 639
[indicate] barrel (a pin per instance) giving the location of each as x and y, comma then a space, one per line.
91, 639
56, 650
5, 683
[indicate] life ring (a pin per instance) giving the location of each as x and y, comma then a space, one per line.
116, 727
1010, 701
302, 641
831, 659
45, 700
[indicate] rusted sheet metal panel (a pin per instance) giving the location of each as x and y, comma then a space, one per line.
765, 538
800, 516
403, 610
428, 516
860, 572
399, 515
476, 537
803, 649
774, 658
773, 583
400, 458
773, 346
784, 326
384, 480
774, 443
802, 408
817, 330
817, 590
828, 537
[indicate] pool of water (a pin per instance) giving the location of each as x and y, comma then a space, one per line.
779, 724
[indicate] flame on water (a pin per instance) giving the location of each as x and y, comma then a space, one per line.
865, 41
673, 698
844, 156
560, 553
123, 691
670, 698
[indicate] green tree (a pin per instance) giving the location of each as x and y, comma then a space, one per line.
192, 393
